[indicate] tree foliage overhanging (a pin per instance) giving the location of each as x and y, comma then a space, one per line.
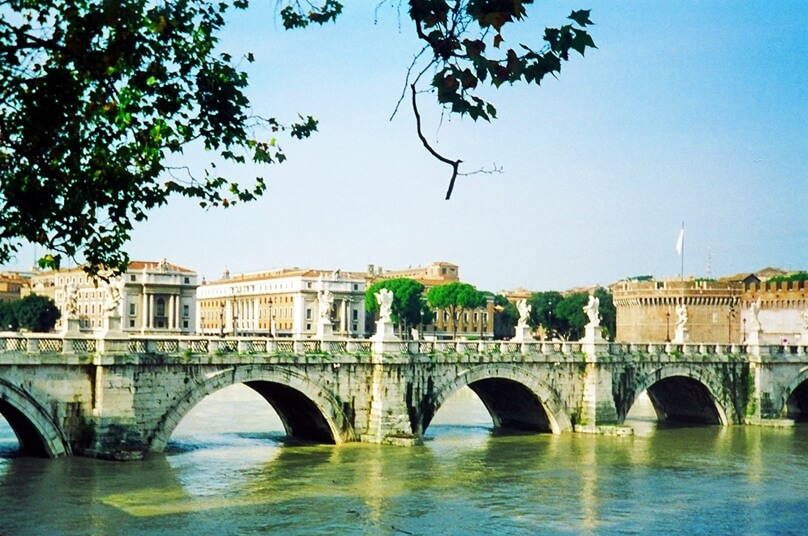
98, 95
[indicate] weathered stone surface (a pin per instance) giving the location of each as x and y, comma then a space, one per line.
121, 405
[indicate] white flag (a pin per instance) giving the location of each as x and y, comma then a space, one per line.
680, 242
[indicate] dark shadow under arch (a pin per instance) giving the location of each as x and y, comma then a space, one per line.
29, 438
301, 418
512, 405
797, 403
683, 400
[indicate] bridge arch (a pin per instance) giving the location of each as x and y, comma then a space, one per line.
36, 431
682, 394
306, 410
795, 397
514, 398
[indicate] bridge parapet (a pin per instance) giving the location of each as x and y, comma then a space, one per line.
40, 344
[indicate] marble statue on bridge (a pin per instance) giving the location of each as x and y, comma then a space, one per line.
325, 299
592, 310
71, 300
385, 300
523, 333
524, 311
681, 333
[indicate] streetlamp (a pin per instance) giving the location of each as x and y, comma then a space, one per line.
730, 316
270, 318
221, 320
668, 326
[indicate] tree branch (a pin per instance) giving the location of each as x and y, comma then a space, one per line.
454, 163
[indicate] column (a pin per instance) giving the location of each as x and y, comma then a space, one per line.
144, 312
151, 311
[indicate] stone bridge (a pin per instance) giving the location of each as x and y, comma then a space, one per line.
121, 398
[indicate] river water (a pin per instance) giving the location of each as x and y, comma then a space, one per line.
228, 470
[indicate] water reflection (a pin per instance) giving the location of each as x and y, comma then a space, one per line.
229, 470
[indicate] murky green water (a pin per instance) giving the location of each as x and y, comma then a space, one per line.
227, 471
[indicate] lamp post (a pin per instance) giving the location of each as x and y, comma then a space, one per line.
744, 330
730, 316
270, 318
668, 326
233, 314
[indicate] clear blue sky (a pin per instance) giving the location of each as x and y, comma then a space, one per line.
688, 111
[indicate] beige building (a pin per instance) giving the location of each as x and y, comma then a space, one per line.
475, 323
646, 310
11, 285
282, 303
783, 310
156, 297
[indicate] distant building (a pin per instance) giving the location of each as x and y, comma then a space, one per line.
646, 310
474, 323
282, 303
783, 313
157, 297
11, 285
717, 310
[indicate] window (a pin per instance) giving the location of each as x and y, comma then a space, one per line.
132, 309
308, 314
356, 286
133, 277
186, 310
185, 324
353, 327
161, 308
354, 315
187, 280
131, 323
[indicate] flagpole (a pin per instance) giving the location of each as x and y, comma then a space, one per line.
682, 267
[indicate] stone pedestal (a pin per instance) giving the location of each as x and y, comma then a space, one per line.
324, 331
681, 336
753, 342
593, 342
523, 334
385, 340
72, 327
113, 339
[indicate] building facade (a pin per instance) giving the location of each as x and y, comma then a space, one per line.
646, 310
475, 323
11, 285
282, 303
782, 310
155, 297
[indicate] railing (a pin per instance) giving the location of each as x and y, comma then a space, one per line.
32, 343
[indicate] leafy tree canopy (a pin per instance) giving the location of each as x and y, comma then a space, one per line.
455, 297
408, 300
8, 316
36, 313
506, 316
563, 316
542, 310
98, 95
